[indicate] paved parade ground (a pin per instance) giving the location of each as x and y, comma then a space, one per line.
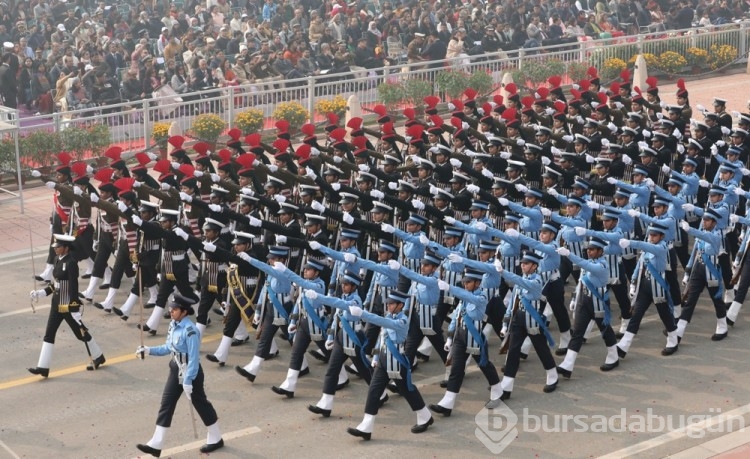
692, 404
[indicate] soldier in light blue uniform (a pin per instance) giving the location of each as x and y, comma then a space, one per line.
478, 212
532, 218
580, 190
574, 207
732, 161
306, 322
414, 240
648, 285
741, 268
527, 321
592, 303
342, 262
391, 364
185, 375
629, 228
676, 199
716, 201
639, 190
465, 328
705, 273
345, 339
276, 305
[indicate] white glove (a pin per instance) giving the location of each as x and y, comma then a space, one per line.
649, 183
364, 168
546, 212
505, 154
745, 171
725, 130
311, 294
136, 220
50, 185
520, 142
121, 206
350, 257
685, 279
448, 344
720, 143
244, 256
394, 265
442, 285
215, 208
580, 231
94, 197
487, 173
593, 205
336, 186
580, 120
36, 173
562, 251
624, 243
659, 115
433, 190
735, 114
642, 145
181, 233
732, 218
209, 247
455, 258
512, 232
455, 162
142, 351
611, 180
498, 266
77, 191
503, 201
545, 161
666, 169
594, 104
568, 138
472, 188
152, 156
627, 160
680, 149
165, 186
292, 328
185, 197
739, 191
188, 389
273, 168
280, 198
314, 152
555, 151
377, 194
310, 173
504, 330
215, 178
481, 226
175, 165
522, 188
634, 213
36, 294
417, 204
195, 174
317, 206
632, 291
619, 105
393, 186
314, 245
549, 111
688, 207
424, 240
253, 221
356, 311
386, 228
736, 264
685, 226
280, 239
553, 192
646, 133
590, 159
714, 150
279, 266
470, 153
465, 126
700, 108
347, 218
449, 220
612, 127
329, 344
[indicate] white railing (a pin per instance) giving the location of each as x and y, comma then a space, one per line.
131, 122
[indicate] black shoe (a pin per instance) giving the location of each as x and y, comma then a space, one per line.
730, 322
104, 287
212, 358
414, 367
352, 370
272, 356
358, 433
240, 342
146, 328
669, 350
99, 361
315, 409
149, 306
98, 306
149, 450
166, 314
125, 318
119, 312
342, 385
441, 410
280, 391
563, 372
524, 356
212, 447
610, 366
39, 371
392, 387
550, 387
444, 383
719, 336
86, 276
419, 428
304, 372
41, 279
505, 396
619, 335
242, 372
561, 351
218, 311
664, 332
383, 401
621, 353
318, 355
423, 358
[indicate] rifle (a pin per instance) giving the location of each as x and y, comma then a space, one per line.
506, 339
738, 271
690, 277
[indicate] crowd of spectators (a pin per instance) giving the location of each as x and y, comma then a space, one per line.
79, 54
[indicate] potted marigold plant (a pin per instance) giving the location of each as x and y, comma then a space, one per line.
671, 62
293, 112
208, 127
249, 121
697, 57
337, 105
612, 68
721, 55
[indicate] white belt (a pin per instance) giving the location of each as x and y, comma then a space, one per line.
252, 282
178, 257
554, 276
223, 267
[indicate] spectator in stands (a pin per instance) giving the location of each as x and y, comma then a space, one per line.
105, 90
24, 83
8, 83
132, 89
40, 90
683, 16
77, 96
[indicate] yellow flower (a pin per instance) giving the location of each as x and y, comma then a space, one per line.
160, 133
671, 62
337, 105
696, 56
208, 127
721, 56
612, 68
250, 121
293, 112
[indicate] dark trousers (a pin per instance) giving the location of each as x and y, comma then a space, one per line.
56, 318
166, 286
554, 291
726, 269
518, 334
336, 361
620, 291
172, 393
122, 265
106, 245
743, 284
302, 340
84, 244
683, 255
148, 278
377, 386
495, 312
629, 264
437, 340
56, 229
584, 314
269, 329
209, 298
671, 277
696, 284
458, 367
641, 305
